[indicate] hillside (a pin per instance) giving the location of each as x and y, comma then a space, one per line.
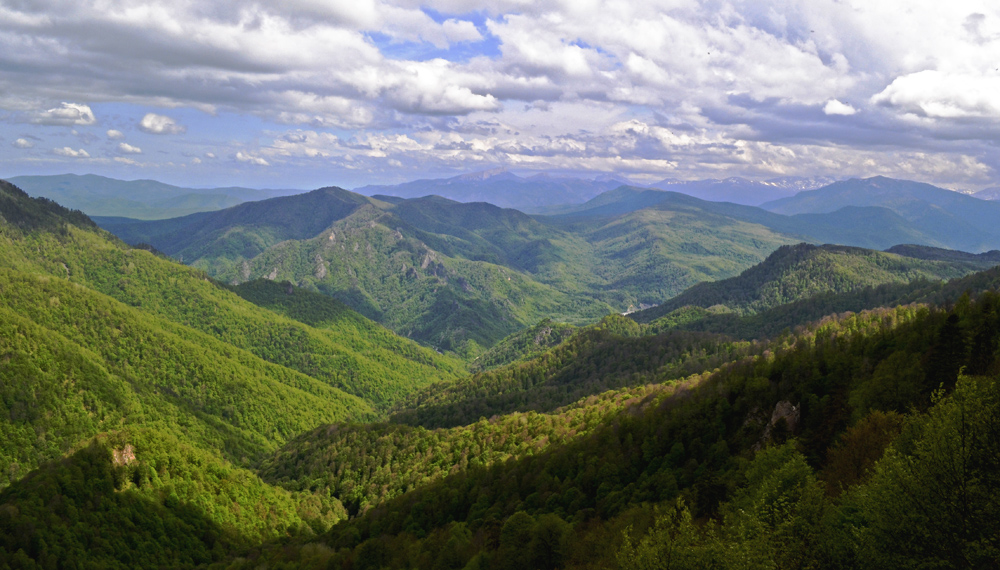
142, 199
794, 273
807, 428
146, 341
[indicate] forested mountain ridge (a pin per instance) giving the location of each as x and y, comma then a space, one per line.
795, 273
462, 276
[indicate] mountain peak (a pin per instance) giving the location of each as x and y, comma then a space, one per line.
501, 171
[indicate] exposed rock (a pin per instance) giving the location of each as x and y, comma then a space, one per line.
123, 456
320, 267
273, 274
785, 418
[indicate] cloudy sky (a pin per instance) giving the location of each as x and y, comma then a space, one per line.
304, 93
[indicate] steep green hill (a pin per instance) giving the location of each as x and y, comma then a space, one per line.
129, 338
794, 273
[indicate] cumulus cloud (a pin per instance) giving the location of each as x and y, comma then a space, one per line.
129, 149
22, 143
160, 125
249, 158
673, 87
936, 94
834, 107
71, 153
68, 114
127, 161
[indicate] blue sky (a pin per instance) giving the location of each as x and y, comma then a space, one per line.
306, 93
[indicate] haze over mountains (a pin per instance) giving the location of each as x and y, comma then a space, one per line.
142, 199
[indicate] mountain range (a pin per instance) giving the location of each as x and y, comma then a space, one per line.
156, 417
142, 199
461, 276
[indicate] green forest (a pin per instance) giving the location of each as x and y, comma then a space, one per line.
813, 407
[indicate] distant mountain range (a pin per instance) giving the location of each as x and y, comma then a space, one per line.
449, 273
954, 220
743, 191
142, 199
545, 194
502, 188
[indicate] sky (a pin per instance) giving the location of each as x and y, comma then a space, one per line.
309, 93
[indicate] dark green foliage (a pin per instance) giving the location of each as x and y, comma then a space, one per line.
609, 355
364, 465
17, 210
523, 345
796, 273
688, 442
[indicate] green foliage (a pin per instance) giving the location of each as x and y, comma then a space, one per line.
447, 273
142, 498
606, 356
364, 465
933, 500
796, 273
523, 345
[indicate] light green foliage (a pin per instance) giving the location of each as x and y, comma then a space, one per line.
142, 498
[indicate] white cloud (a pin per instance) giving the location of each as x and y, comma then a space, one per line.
69, 152
160, 125
22, 143
69, 114
249, 158
196, 160
705, 87
129, 149
943, 95
209, 155
128, 161
835, 107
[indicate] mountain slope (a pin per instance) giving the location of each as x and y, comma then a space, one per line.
142, 199
128, 337
794, 273
460, 276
